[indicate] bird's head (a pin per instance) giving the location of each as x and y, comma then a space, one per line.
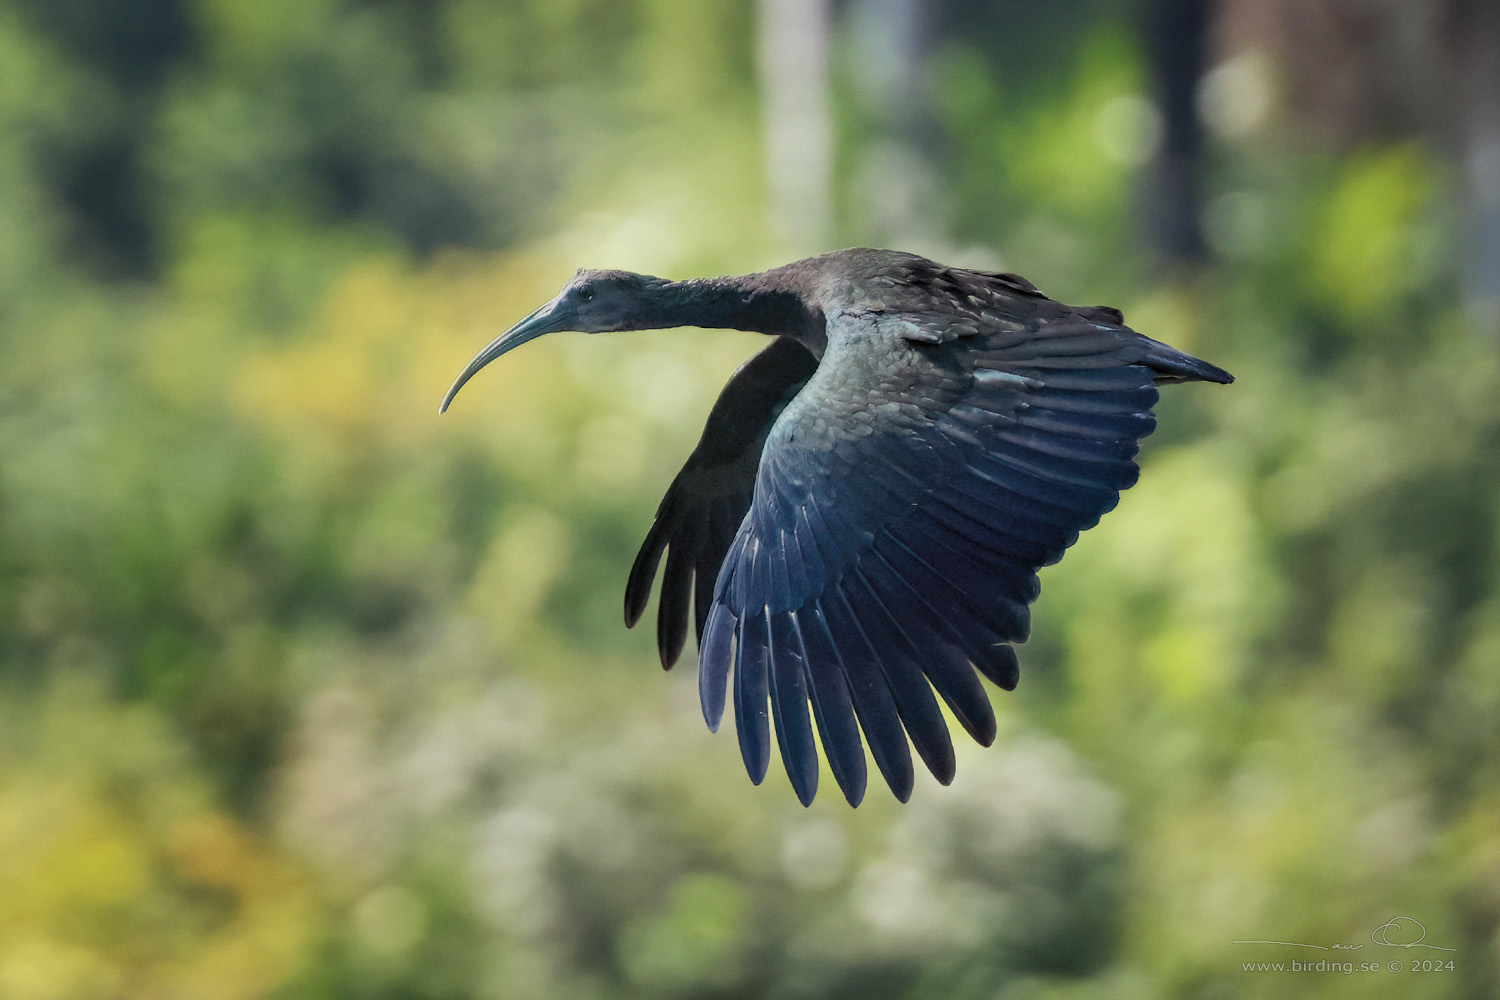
591, 302
605, 301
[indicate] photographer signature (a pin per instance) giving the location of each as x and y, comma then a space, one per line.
1397, 932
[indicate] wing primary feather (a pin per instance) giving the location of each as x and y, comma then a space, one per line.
1074, 341
1077, 497
673, 604
832, 708
978, 633
992, 657
999, 663
1000, 548
734, 585
978, 641
1093, 426
951, 591
809, 553
1001, 502
718, 532
1115, 378
1089, 475
800, 587
903, 673
780, 596
750, 693
760, 571
714, 657
936, 590
643, 570
1007, 588
1097, 450
788, 679
945, 666
1002, 608
1116, 402
871, 697
825, 539
986, 649
1050, 363
704, 574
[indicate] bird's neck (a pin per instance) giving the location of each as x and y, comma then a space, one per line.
736, 303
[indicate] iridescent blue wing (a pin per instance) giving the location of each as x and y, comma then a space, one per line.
902, 506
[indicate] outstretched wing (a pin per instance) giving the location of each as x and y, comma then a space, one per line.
707, 501
903, 504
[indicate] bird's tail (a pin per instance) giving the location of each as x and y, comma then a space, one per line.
1169, 365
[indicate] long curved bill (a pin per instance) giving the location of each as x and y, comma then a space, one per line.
544, 320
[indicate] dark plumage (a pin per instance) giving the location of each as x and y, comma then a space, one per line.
862, 521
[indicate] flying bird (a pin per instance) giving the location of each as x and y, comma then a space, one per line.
860, 526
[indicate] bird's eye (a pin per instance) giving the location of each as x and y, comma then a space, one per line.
586, 294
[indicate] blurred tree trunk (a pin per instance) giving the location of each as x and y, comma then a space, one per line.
898, 191
1176, 38
1363, 70
798, 122
1479, 26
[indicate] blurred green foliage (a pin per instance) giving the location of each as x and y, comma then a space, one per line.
305, 693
